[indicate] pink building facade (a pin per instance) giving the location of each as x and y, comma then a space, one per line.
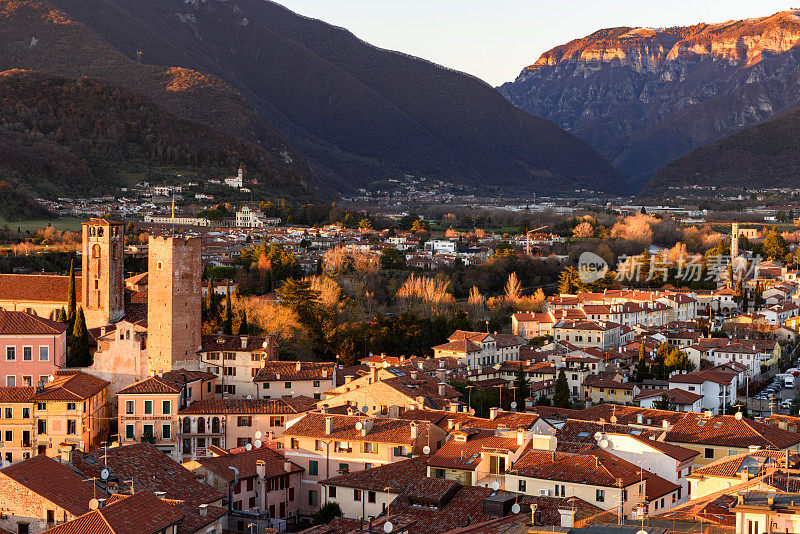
31, 348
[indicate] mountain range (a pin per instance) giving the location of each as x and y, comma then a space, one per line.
644, 97
327, 107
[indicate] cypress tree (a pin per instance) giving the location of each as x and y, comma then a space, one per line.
244, 328
210, 298
62, 315
227, 318
521, 385
268, 282
561, 397
79, 355
71, 293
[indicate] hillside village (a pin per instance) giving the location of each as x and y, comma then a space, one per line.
658, 405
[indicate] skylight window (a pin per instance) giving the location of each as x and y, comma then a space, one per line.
583, 434
636, 432
701, 423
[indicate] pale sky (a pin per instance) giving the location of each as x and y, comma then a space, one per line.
496, 39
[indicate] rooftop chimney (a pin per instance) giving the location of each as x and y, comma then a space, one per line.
374, 372
287, 466
298, 367
329, 425
203, 510
441, 374
413, 430
366, 426
348, 379
160, 494
261, 468
493, 413
101, 502
244, 341
421, 365
441, 388
413, 375
567, 517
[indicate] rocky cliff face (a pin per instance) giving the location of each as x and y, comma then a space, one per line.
643, 97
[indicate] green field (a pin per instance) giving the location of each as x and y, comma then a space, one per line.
61, 224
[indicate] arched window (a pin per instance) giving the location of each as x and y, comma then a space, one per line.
215, 425
201, 426
95, 251
99, 231
187, 425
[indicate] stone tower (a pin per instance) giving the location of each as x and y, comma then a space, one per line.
174, 321
102, 272
734, 240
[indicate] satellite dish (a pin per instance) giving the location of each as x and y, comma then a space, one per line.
515, 508
495, 486
603, 443
365, 409
613, 419
94, 504
514, 405
50, 378
104, 473
259, 435
388, 527
359, 425
642, 532
738, 415
257, 444
426, 450
598, 436
248, 447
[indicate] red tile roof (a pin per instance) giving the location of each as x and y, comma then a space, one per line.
396, 475
466, 455
142, 513
71, 386
245, 462
295, 371
17, 394
37, 288
228, 343
17, 322
728, 431
284, 405
150, 469
53, 481
312, 425
171, 382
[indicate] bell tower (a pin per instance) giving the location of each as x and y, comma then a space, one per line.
102, 273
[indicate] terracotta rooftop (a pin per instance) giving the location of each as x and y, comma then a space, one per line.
71, 386
53, 481
245, 462
228, 343
396, 475
17, 322
150, 469
284, 405
141, 513
466, 455
295, 371
16, 394
171, 382
752, 462
727, 430
37, 288
312, 425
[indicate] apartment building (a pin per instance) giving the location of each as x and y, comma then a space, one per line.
229, 423
236, 360
148, 410
33, 348
585, 334
294, 379
326, 444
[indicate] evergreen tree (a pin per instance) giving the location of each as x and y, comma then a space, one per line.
71, 293
244, 328
79, 355
664, 403
567, 280
521, 383
62, 315
268, 280
210, 298
227, 317
642, 371
561, 397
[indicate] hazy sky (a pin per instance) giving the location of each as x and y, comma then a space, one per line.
495, 39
